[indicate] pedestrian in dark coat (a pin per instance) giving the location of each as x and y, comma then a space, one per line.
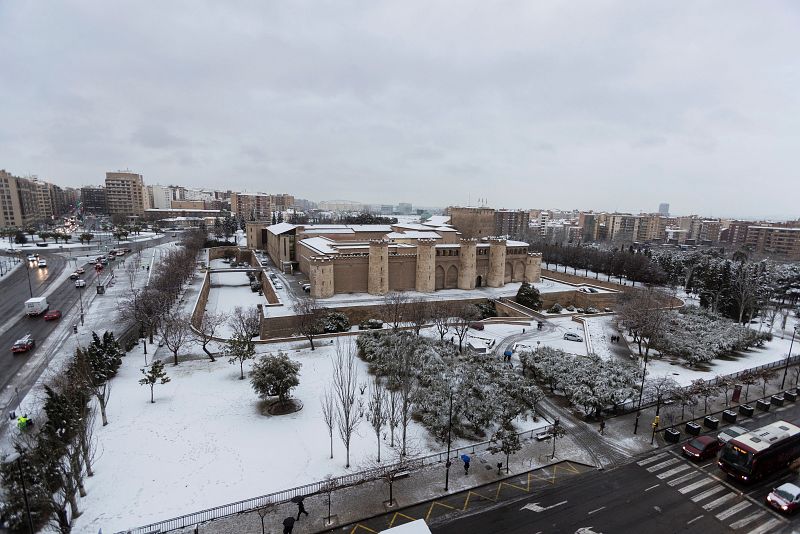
288, 525
301, 509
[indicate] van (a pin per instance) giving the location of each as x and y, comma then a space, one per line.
36, 306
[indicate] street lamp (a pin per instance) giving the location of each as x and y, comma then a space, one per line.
28, 272
452, 381
789, 356
16, 457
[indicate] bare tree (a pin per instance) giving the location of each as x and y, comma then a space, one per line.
660, 388
393, 309
440, 314
417, 312
328, 403
345, 381
766, 376
704, 389
175, 332
377, 410
465, 313
393, 401
726, 384
245, 322
403, 378
209, 325
309, 318
644, 313
745, 289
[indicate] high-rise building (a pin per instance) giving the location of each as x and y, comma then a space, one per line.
126, 194
259, 206
93, 200
161, 197
18, 201
511, 223
779, 241
663, 209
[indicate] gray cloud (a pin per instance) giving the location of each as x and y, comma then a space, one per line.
602, 104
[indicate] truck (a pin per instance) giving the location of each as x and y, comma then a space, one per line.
36, 306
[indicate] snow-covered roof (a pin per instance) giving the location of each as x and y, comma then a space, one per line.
371, 227
516, 244
323, 245
328, 231
413, 235
412, 226
445, 229
280, 228
438, 220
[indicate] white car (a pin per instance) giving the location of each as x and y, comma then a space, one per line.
80, 283
42, 263
278, 285
731, 432
31, 257
569, 336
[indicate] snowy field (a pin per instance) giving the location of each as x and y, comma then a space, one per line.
229, 290
205, 443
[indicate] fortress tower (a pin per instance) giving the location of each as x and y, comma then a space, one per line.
497, 262
321, 275
533, 267
426, 266
467, 264
378, 283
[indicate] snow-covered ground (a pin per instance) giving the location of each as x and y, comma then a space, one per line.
98, 240
205, 443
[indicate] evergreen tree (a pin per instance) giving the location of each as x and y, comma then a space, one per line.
275, 376
528, 296
239, 349
155, 375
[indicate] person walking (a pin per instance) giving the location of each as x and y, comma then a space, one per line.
301, 509
465, 458
288, 525
602, 426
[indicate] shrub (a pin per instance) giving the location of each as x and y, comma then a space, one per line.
335, 322
555, 308
371, 324
528, 296
487, 310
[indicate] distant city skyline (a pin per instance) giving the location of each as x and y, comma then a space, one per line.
608, 106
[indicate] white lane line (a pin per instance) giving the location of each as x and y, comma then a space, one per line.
699, 484
652, 487
715, 503
597, 510
708, 493
652, 458
733, 510
662, 465
747, 520
684, 478
673, 471
766, 527
695, 519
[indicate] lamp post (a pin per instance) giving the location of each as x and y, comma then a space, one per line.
641, 391
16, 458
448, 463
789, 356
28, 272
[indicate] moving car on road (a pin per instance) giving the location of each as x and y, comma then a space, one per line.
23, 344
80, 270
785, 498
75, 275
42, 263
80, 283
702, 447
52, 315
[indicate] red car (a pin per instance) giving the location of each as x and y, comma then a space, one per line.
785, 498
52, 315
23, 344
702, 447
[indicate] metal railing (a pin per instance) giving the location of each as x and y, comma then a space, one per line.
321, 486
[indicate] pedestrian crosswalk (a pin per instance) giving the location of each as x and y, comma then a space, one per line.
715, 497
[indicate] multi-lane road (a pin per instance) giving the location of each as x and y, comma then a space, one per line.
662, 492
61, 295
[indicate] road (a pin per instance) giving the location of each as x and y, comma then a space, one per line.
662, 492
15, 293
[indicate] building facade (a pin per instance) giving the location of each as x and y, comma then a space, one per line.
93, 200
126, 194
18, 201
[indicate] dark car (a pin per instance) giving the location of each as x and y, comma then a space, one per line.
702, 447
785, 498
52, 315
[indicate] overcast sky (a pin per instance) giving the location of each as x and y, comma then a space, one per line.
611, 105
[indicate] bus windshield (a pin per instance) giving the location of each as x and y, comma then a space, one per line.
737, 457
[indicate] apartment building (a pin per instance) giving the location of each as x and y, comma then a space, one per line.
126, 194
18, 201
93, 199
259, 206
511, 223
779, 241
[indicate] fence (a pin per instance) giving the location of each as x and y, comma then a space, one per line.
321, 486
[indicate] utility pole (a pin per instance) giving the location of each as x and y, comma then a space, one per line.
641, 391
448, 463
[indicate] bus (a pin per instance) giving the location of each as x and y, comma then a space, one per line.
761, 452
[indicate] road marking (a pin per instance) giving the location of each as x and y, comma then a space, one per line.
652, 458
713, 504
708, 493
652, 487
733, 510
535, 507
673, 471
699, 484
662, 465
747, 520
684, 478
766, 527
597, 510
695, 519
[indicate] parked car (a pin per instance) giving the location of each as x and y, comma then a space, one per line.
702, 447
785, 498
80, 283
570, 336
42, 264
23, 344
278, 285
476, 326
52, 315
731, 432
